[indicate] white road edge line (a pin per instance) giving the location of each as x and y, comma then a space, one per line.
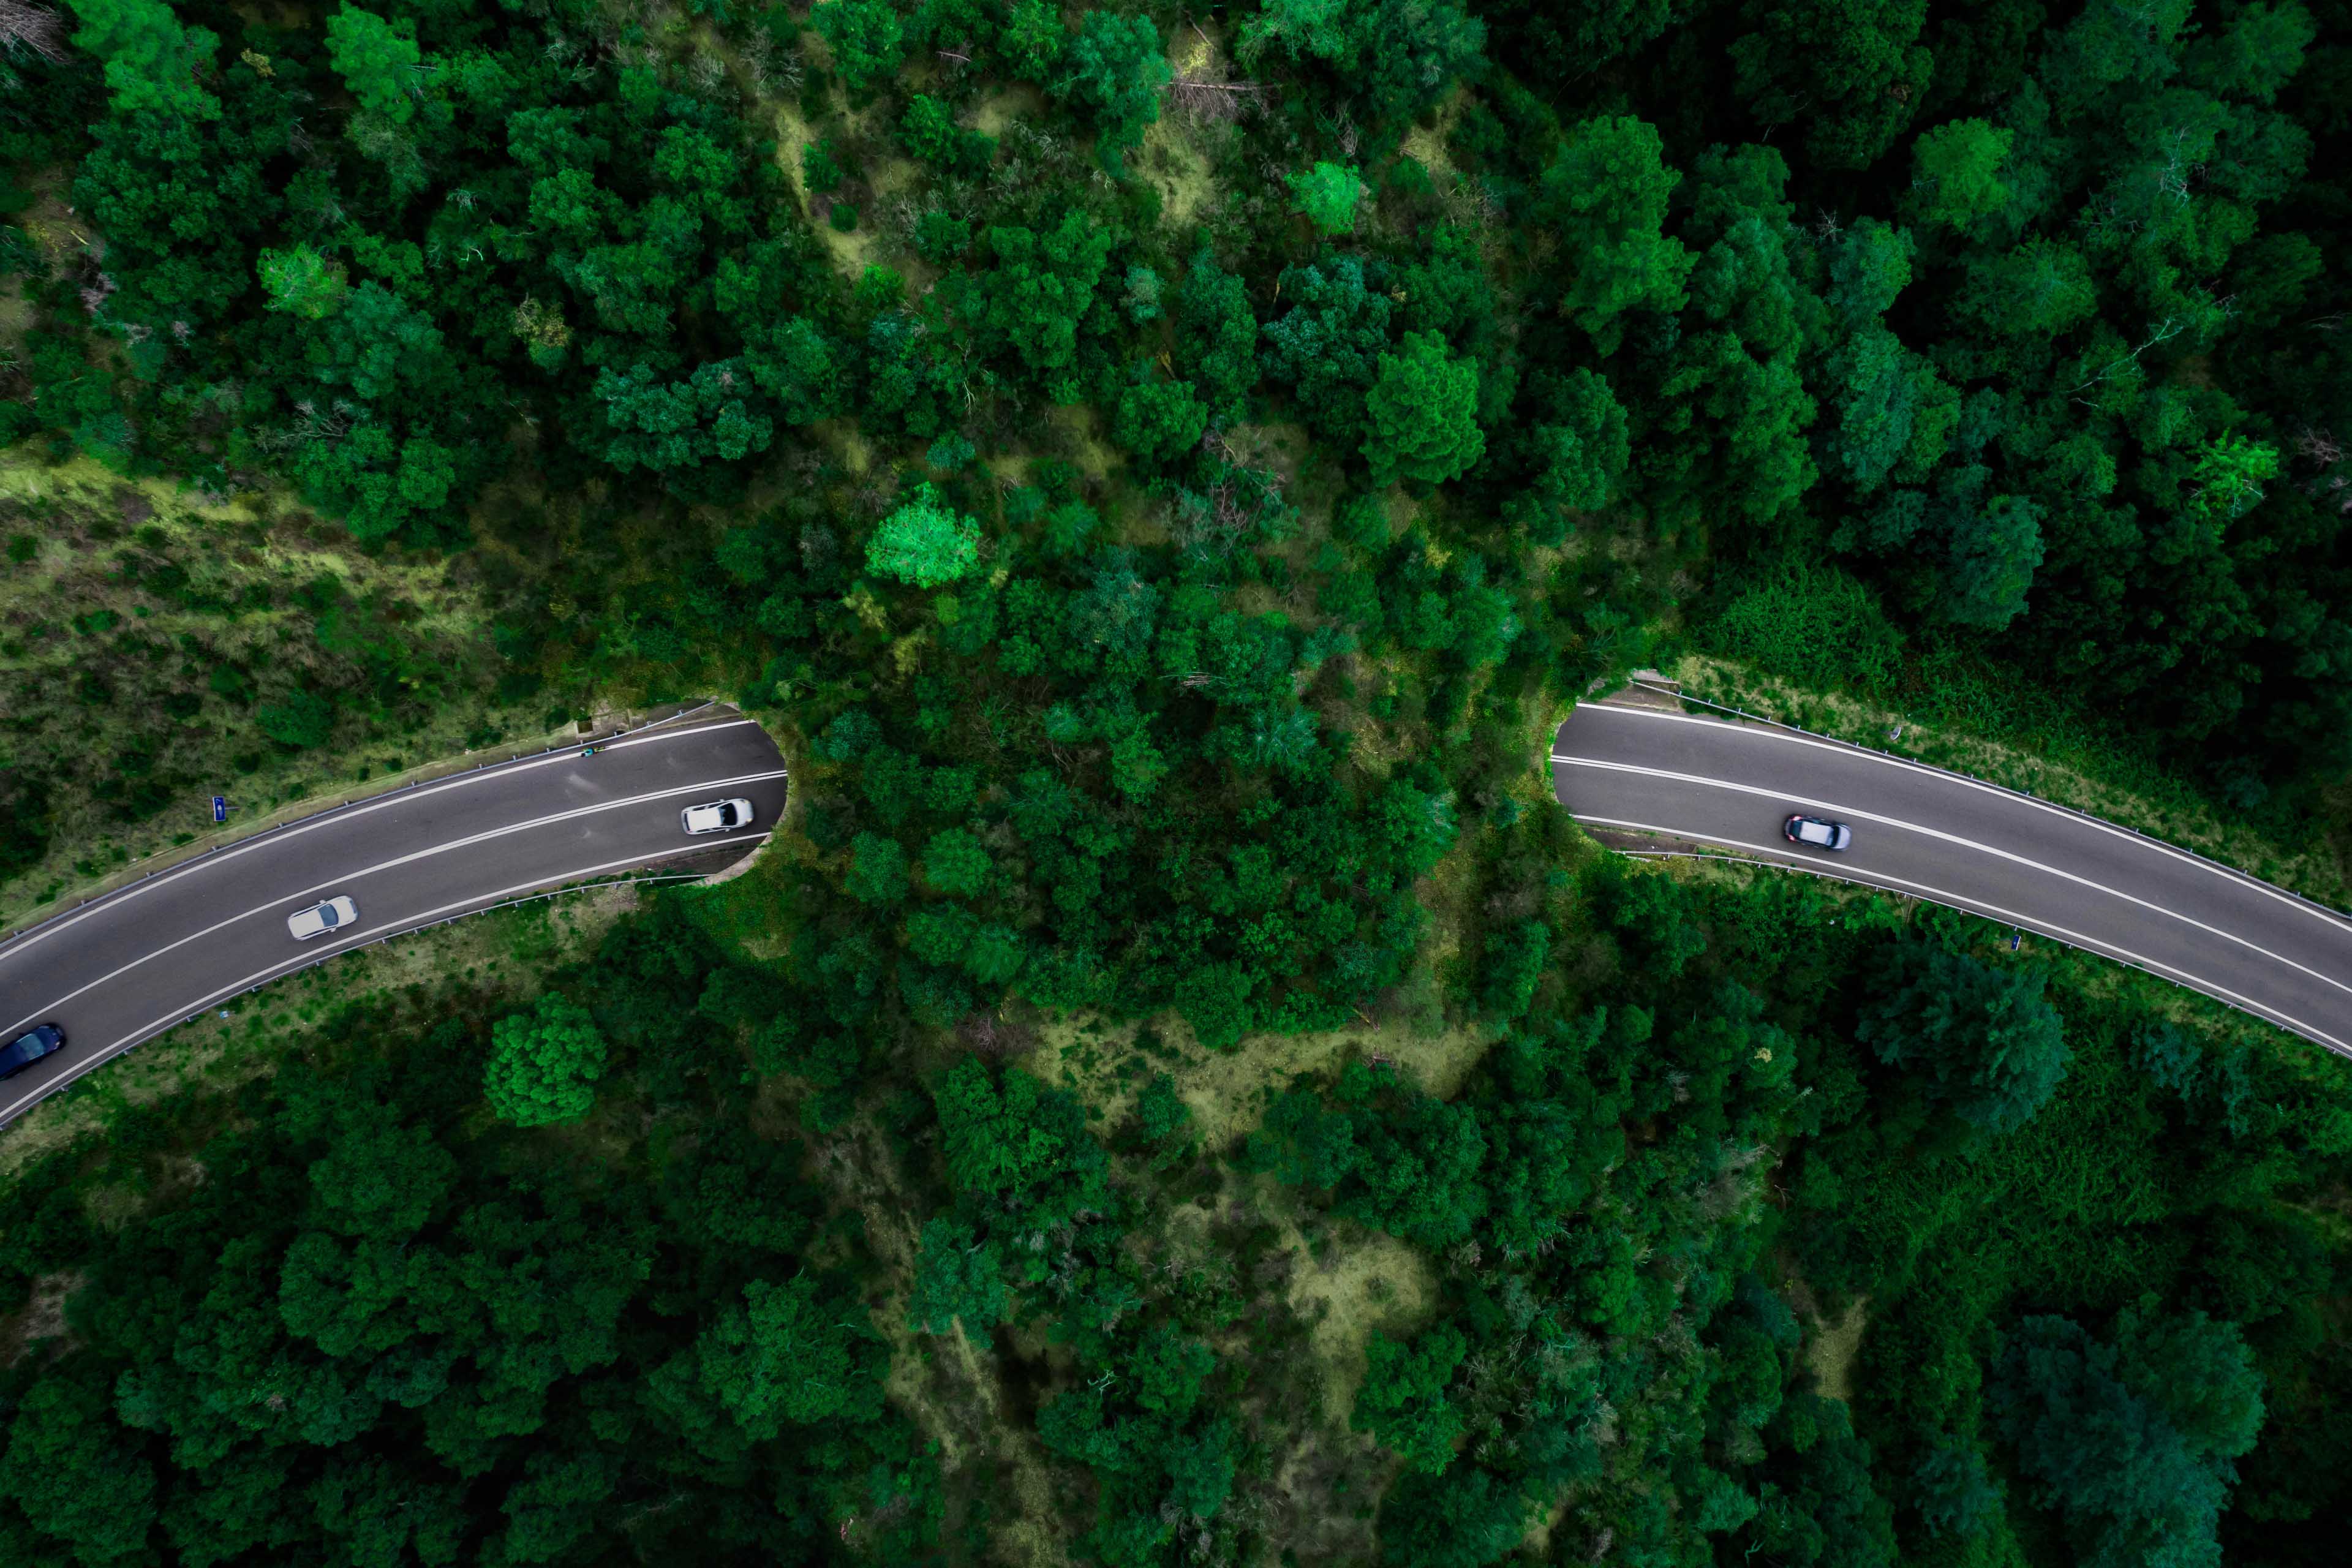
303, 961
333, 817
1964, 901
2145, 841
348, 878
1897, 822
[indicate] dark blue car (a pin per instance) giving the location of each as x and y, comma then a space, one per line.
29, 1047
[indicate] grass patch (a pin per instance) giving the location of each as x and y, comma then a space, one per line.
479, 966
1831, 1349
163, 646
1106, 1063
1368, 1283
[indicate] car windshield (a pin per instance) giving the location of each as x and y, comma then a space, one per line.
327, 916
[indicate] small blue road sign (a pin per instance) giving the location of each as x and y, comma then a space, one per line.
220, 808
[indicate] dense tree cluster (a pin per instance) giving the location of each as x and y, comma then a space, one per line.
383, 1332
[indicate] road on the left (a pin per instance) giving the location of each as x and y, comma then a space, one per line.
128, 966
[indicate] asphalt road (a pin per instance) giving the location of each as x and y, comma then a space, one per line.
1958, 841
126, 967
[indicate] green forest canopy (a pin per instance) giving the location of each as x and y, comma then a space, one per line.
1160, 474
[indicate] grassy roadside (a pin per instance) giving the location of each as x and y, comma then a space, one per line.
477, 966
2072, 970
158, 646
2054, 756
22, 905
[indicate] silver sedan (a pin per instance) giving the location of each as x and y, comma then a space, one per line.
333, 914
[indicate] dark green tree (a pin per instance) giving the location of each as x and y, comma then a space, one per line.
2131, 1438
1114, 67
1978, 1037
957, 1278
1604, 194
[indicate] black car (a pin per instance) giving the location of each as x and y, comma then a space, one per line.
1817, 832
30, 1046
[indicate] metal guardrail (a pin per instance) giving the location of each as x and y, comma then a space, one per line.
490, 909
1681, 696
345, 804
65, 1091
1755, 864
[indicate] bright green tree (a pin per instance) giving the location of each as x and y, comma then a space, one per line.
1327, 195
1956, 173
1032, 39
2229, 477
1423, 407
302, 283
866, 38
926, 542
151, 60
377, 60
544, 1063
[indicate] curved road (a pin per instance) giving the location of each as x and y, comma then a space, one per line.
130, 965
1958, 841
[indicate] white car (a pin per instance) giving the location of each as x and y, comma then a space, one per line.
1819, 832
333, 914
717, 817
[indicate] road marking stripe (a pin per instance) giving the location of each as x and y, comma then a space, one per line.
346, 878
1962, 900
1762, 731
1857, 813
304, 960
331, 816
